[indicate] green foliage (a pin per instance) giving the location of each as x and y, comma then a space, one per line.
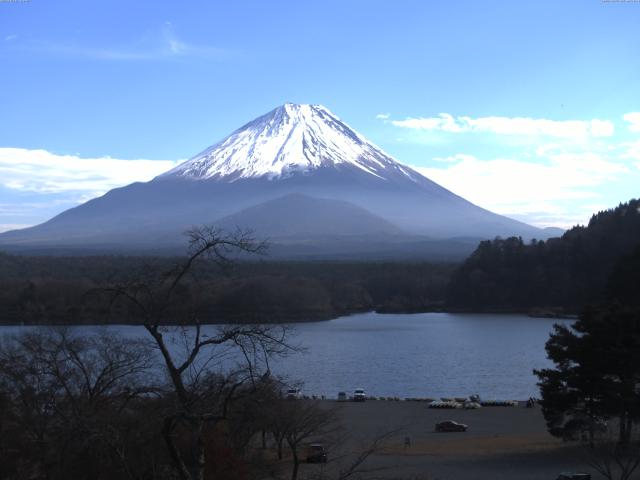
624, 284
568, 272
596, 374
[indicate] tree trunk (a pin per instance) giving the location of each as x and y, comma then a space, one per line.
296, 464
629, 427
624, 432
280, 448
198, 474
167, 432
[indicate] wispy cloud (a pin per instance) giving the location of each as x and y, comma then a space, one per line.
5, 227
630, 150
383, 116
540, 193
11, 37
633, 118
40, 171
163, 44
524, 126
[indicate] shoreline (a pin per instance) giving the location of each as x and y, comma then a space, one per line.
545, 314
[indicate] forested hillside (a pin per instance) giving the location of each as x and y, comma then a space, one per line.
63, 290
560, 274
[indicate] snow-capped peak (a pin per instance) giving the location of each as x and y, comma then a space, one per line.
290, 139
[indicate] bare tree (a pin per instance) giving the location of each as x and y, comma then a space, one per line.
358, 468
67, 397
302, 421
201, 381
354, 464
612, 459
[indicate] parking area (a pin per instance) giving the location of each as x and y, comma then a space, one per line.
500, 443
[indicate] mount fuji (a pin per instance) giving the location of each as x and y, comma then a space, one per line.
298, 175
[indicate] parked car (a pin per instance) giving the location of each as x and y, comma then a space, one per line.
451, 426
574, 476
316, 453
359, 395
293, 394
342, 396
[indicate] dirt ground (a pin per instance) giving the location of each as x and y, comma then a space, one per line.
501, 443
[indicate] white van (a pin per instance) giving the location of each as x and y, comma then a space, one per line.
359, 395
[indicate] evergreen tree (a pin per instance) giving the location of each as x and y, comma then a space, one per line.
596, 375
563, 274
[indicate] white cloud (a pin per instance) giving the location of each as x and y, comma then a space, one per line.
383, 116
524, 126
11, 37
5, 227
539, 193
602, 128
634, 121
630, 150
541, 171
40, 171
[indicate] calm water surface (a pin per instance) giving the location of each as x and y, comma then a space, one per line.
417, 355
431, 354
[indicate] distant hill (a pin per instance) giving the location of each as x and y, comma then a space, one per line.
565, 273
297, 216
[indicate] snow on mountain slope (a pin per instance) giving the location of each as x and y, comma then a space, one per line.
290, 139
248, 180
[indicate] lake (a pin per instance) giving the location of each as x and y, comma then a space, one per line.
411, 355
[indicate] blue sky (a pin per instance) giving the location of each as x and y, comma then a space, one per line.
526, 108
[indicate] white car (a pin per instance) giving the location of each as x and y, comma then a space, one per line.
359, 395
293, 394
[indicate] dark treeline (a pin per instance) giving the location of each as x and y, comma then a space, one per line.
560, 275
66, 290
179, 404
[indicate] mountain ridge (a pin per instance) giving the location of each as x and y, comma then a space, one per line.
294, 149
